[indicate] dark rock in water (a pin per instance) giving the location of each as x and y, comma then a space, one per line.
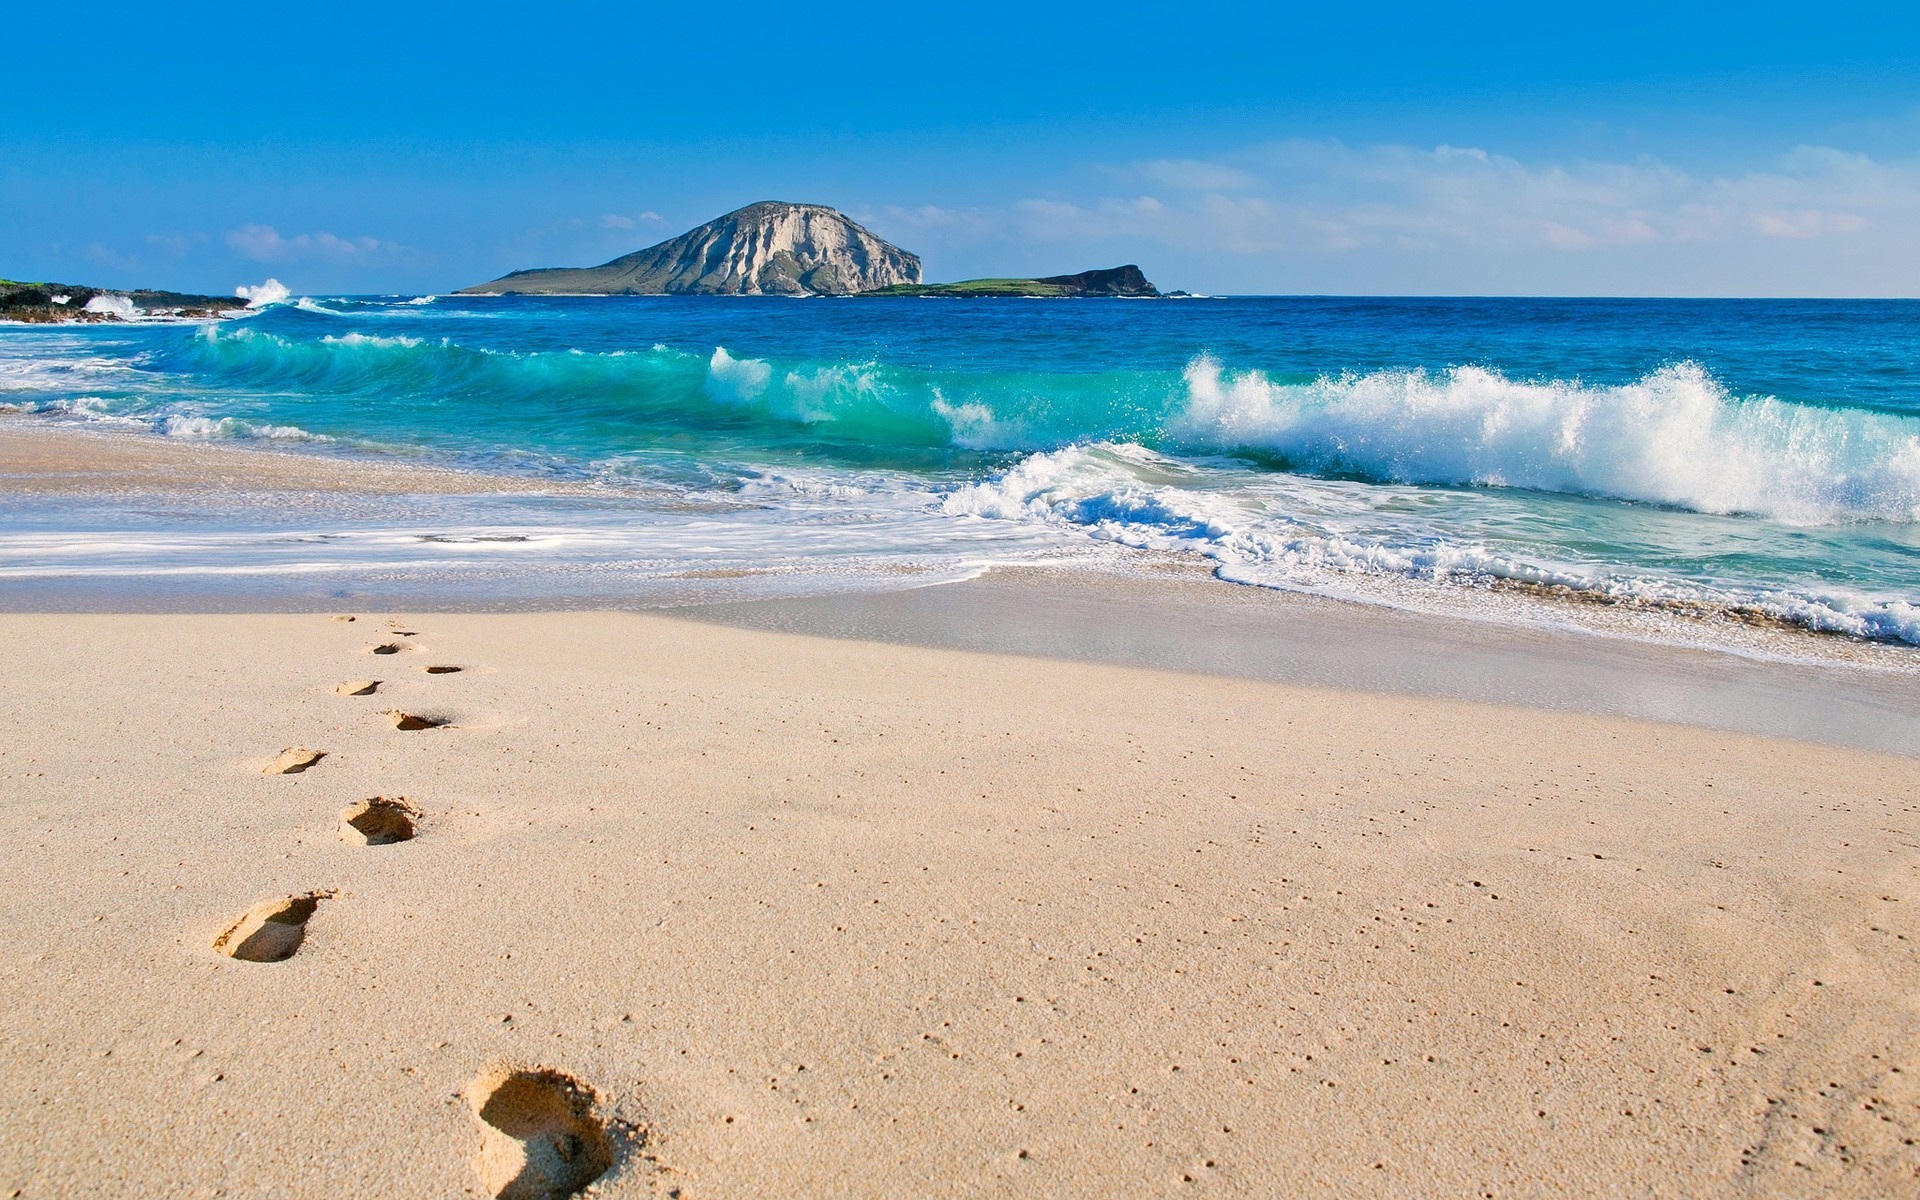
1126, 281
764, 249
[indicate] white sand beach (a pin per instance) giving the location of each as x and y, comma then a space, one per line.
818, 917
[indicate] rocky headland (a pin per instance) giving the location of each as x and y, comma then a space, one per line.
60, 303
765, 249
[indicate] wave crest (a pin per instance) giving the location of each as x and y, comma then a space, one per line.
1673, 437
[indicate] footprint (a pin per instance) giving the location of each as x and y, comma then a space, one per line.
346, 618
411, 722
358, 687
378, 821
542, 1138
293, 760
272, 931
386, 648
441, 670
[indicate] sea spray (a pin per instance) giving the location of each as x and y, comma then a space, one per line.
263, 295
109, 305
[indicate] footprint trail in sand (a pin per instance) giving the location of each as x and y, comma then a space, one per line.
542, 1135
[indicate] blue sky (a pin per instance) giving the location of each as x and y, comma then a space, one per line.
1658, 149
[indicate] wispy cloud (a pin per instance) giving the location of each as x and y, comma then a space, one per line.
264, 243
1328, 197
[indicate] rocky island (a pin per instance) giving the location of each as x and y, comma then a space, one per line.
777, 249
765, 249
56, 303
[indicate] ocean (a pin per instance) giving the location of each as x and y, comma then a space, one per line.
1685, 461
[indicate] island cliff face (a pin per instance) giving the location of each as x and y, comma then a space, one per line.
764, 249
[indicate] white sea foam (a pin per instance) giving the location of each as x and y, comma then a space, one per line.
309, 304
263, 294
57, 372
96, 410
1674, 437
198, 428
1131, 496
370, 339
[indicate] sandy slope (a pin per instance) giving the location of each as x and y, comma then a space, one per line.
828, 918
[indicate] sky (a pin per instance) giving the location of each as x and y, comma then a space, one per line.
1628, 148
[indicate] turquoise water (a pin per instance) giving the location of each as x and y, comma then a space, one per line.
1760, 454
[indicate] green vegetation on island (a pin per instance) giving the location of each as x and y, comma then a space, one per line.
1127, 281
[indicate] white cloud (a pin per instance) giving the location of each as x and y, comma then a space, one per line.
1327, 197
264, 243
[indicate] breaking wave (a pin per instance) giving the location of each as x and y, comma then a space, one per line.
263, 295
1131, 496
1675, 437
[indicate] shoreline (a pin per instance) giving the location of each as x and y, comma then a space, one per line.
1158, 612
305, 463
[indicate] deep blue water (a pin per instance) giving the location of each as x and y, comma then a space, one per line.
1758, 453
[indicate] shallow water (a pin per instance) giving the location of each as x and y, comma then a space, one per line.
1755, 454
